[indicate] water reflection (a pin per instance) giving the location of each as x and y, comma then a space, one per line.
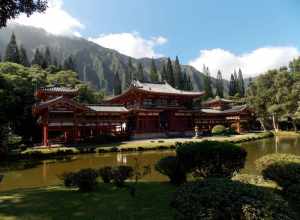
47, 172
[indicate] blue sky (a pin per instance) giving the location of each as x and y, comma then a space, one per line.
223, 34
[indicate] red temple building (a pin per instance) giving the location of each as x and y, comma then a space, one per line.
144, 110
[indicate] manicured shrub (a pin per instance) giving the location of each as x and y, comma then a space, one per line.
284, 169
218, 130
85, 180
106, 174
211, 158
120, 174
68, 179
170, 167
221, 198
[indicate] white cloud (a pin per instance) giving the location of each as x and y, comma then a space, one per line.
55, 20
252, 64
131, 44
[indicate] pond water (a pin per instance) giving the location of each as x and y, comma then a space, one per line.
47, 172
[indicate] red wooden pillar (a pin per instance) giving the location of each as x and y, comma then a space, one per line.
238, 127
45, 135
66, 136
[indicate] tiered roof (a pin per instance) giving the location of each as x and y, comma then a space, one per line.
233, 109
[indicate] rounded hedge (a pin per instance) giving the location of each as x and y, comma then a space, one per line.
170, 167
284, 169
221, 198
218, 130
106, 174
211, 158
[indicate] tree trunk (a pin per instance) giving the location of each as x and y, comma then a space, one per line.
275, 126
262, 124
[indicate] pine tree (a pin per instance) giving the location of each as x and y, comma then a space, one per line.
153, 72
163, 73
219, 85
38, 58
69, 64
23, 57
189, 84
232, 90
236, 82
140, 72
12, 51
184, 81
178, 74
241, 84
128, 74
47, 58
170, 73
117, 84
207, 84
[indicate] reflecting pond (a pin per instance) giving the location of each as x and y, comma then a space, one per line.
47, 172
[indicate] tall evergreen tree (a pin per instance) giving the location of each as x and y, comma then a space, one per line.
236, 82
153, 72
12, 51
38, 58
47, 58
170, 73
140, 72
163, 73
178, 74
128, 74
23, 57
219, 85
190, 86
207, 84
241, 83
184, 81
117, 84
232, 87
69, 64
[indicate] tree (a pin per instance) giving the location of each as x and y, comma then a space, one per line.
23, 57
232, 87
178, 74
170, 73
241, 83
47, 58
117, 84
10, 9
69, 64
153, 72
163, 73
189, 83
128, 74
12, 51
219, 85
207, 84
140, 72
38, 58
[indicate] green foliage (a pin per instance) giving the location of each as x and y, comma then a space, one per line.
207, 83
12, 8
218, 130
241, 84
38, 58
140, 72
226, 199
88, 95
219, 85
12, 51
23, 57
211, 158
85, 180
66, 78
106, 174
153, 72
169, 166
284, 169
163, 73
120, 174
68, 178
170, 73
178, 78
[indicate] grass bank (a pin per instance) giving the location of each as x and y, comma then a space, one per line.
287, 134
137, 145
106, 203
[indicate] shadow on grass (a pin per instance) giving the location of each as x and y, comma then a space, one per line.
107, 202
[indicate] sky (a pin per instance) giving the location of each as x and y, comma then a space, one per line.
254, 35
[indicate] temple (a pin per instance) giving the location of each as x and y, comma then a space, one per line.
144, 110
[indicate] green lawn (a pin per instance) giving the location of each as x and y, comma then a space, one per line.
58, 203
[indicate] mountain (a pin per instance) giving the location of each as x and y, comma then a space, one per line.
94, 64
